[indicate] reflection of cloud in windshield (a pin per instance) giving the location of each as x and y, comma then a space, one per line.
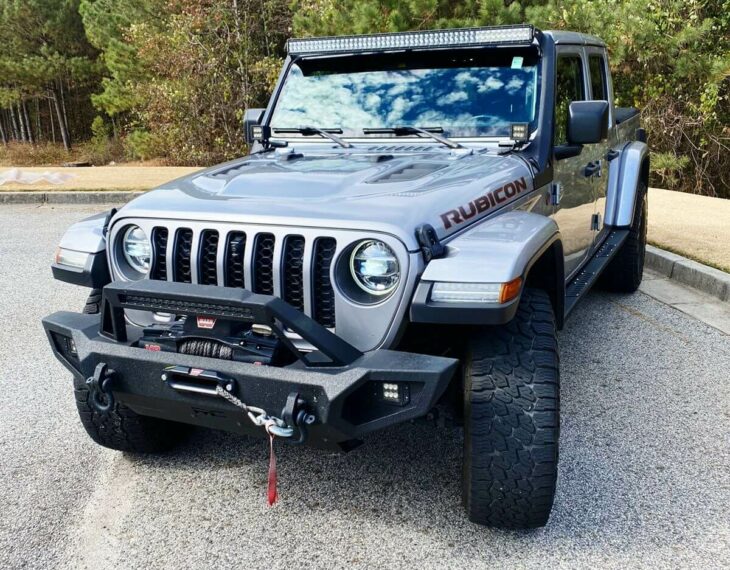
452, 97
515, 84
480, 100
491, 84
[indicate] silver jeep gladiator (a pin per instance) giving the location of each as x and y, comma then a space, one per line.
419, 214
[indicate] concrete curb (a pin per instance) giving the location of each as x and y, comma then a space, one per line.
698, 276
62, 197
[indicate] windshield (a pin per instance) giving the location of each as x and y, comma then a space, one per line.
467, 93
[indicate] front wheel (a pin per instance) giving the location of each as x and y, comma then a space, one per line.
123, 429
511, 418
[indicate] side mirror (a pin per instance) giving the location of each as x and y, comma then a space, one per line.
252, 118
587, 122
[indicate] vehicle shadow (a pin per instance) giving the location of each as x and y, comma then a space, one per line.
622, 483
410, 476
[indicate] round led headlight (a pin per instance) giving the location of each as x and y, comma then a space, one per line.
137, 249
375, 268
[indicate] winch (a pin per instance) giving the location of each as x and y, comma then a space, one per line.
217, 338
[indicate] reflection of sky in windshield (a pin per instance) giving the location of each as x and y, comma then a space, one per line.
465, 101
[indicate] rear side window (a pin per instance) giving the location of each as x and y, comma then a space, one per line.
597, 69
570, 87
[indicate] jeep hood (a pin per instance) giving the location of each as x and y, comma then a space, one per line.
377, 191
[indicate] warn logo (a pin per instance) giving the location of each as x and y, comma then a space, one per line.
206, 322
483, 203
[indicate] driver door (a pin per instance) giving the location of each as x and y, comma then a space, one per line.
574, 211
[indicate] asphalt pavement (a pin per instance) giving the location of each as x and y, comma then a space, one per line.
644, 459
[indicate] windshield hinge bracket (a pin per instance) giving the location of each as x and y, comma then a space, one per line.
431, 247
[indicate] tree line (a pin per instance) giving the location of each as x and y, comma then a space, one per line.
169, 79
47, 71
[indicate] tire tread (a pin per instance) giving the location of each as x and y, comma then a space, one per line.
125, 430
512, 418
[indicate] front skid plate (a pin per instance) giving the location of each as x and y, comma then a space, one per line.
326, 391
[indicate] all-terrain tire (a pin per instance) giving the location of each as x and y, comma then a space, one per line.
624, 272
93, 303
123, 429
512, 419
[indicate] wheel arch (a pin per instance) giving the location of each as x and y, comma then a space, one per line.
547, 272
514, 245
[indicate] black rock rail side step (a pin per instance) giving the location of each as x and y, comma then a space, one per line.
587, 276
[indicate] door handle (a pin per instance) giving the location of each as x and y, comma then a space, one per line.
592, 169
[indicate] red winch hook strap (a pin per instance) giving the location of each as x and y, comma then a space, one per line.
272, 492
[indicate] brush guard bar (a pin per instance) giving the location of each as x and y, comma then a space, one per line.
222, 303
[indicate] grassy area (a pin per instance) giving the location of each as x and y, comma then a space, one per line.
690, 256
697, 227
53, 154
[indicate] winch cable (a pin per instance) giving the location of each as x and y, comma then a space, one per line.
207, 348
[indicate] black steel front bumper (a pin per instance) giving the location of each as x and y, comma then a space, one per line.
337, 384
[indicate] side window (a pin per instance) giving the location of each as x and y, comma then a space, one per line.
597, 69
569, 87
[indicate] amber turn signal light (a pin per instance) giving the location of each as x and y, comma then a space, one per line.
510, 290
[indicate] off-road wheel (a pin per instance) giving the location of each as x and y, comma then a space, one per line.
624, 273
512, 419
123, 429
93, 303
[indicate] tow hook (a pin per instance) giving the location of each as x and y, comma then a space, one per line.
295, 414
100, 392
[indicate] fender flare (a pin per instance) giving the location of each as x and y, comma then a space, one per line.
496, 251
623, 183
87, 236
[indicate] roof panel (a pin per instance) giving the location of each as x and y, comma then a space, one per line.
574, 38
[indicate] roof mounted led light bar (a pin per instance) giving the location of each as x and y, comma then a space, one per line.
497, 35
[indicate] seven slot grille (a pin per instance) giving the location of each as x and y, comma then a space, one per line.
222, 259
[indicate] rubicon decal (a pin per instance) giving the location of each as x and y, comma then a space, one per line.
483, 203
206, 322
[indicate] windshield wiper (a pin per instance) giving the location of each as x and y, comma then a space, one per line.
403, 131
310, 131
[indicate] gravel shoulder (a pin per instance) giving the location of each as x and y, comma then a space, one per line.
643, 479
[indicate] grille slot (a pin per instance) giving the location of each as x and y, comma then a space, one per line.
159, 245
290, 266
263, 264
183, 250
235, 251
293, 268
324, 294
207, 268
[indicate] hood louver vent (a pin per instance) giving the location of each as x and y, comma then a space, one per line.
409, 172
234, 170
